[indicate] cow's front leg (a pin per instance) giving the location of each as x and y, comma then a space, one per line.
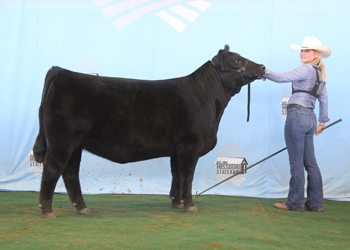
176, 201
71, 180
187, 163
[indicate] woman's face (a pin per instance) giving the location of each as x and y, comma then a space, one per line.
308, 55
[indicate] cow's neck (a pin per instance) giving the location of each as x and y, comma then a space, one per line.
211, 80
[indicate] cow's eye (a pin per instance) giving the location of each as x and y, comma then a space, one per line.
236, 62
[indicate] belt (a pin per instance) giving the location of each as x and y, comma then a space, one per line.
296, 105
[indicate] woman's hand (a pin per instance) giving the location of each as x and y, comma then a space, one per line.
319, 128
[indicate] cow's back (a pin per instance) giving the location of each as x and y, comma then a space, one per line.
124, 120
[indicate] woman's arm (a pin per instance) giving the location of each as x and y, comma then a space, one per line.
323, 113
297, 74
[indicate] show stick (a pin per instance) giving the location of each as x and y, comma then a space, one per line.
258, 163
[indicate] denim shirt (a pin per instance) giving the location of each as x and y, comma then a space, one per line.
303, 78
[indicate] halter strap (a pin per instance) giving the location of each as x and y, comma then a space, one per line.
241, 71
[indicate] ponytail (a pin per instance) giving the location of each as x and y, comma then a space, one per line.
318, 62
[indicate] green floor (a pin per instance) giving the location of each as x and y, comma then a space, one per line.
149, 222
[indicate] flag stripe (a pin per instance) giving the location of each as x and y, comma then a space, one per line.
101, 2
200, 4
125, 20
190, 15
114, 10
174, 22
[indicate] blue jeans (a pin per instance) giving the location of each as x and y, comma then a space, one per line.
298, 133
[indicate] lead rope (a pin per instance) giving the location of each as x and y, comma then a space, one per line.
242, 72
248, 106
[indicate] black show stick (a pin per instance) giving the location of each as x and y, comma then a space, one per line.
258, 162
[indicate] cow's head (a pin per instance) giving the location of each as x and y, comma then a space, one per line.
228, 61
237, 71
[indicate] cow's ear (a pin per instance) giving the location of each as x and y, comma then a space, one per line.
227, 48
217, 60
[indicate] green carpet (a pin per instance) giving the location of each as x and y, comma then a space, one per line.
149, 222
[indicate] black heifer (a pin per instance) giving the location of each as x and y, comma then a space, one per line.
128, 120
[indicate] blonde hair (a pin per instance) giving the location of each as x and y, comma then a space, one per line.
318, 62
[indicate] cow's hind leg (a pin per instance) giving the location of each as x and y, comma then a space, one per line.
176, 201
71, 180
52, 170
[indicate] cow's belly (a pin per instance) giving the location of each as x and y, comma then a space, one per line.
127, 154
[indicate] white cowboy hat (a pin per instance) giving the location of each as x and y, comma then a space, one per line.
315, 44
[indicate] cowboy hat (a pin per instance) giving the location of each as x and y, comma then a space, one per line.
314, 44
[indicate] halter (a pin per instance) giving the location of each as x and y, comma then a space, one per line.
241, 71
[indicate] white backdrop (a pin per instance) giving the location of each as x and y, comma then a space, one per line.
159, 39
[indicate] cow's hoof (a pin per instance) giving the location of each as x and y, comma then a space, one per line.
178, 205
49, 216
192, 209
84, 211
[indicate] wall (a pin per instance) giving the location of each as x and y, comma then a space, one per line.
150, 39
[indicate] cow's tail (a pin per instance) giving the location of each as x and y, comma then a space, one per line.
40, 145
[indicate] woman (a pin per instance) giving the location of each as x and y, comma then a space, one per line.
308, 82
